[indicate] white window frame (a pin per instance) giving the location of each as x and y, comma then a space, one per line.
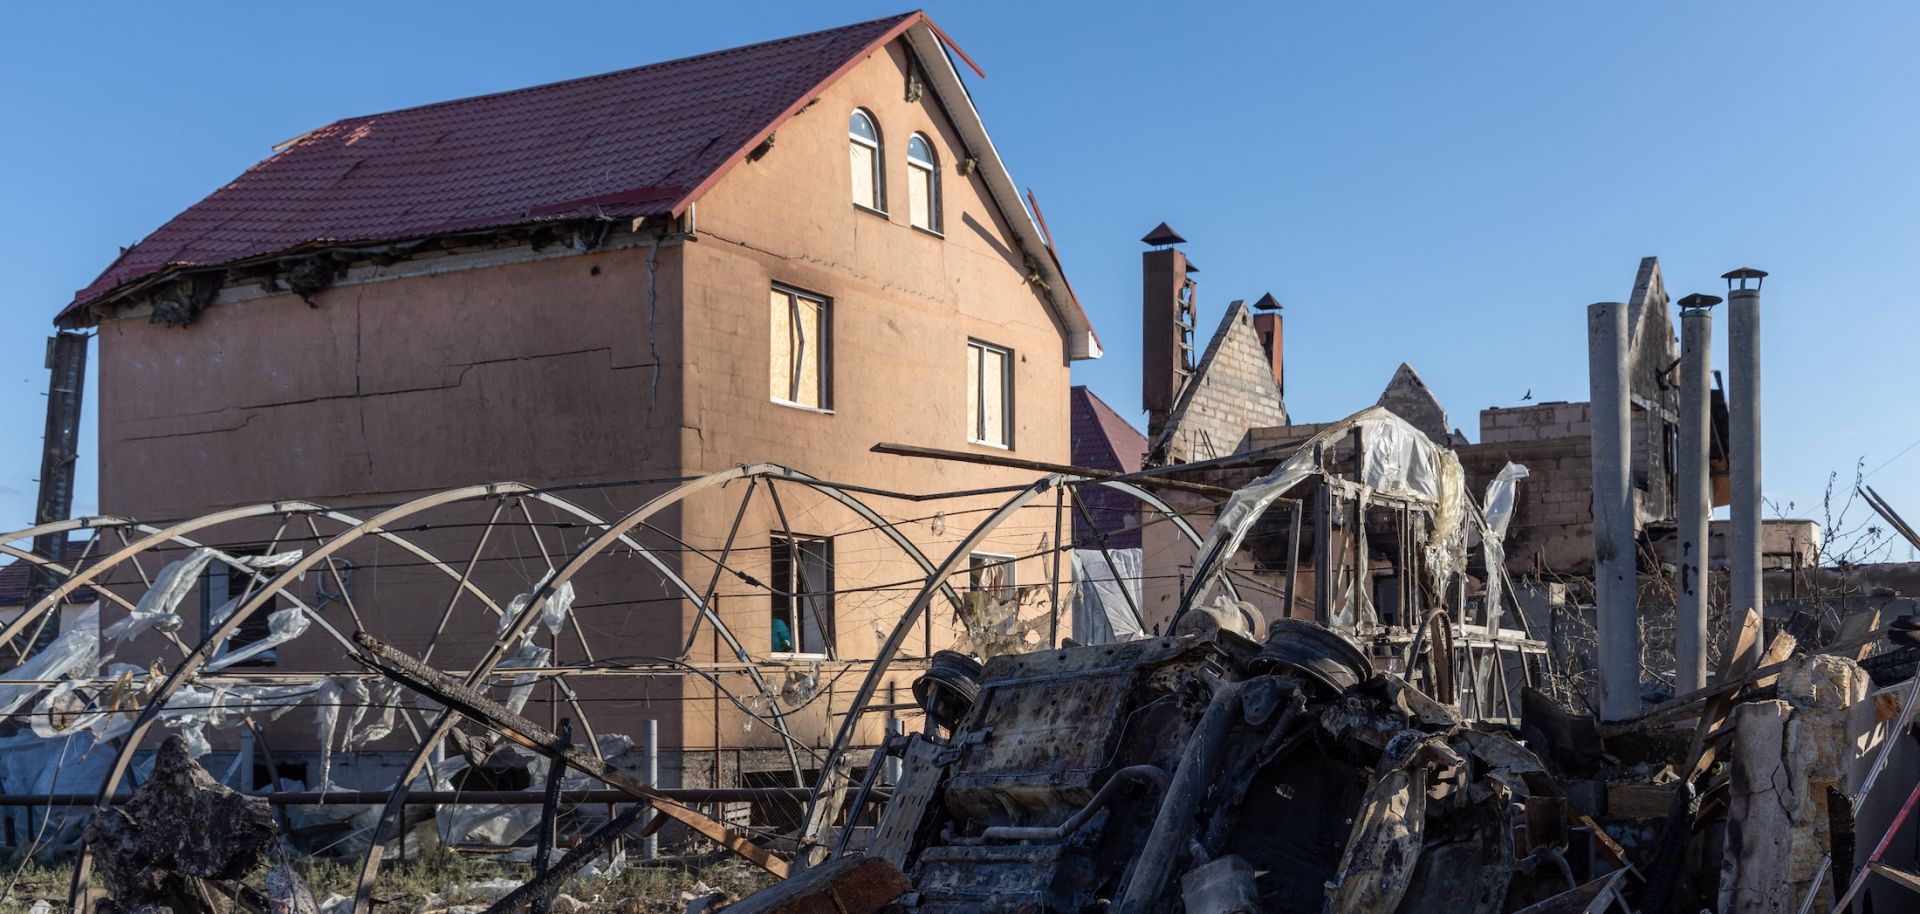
930, 167
791, 592
823, 349
1005, 564
877, 143
976, 431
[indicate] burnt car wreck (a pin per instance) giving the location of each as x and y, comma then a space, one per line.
1206, 771
1209, 773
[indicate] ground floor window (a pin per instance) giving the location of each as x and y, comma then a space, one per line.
802, 588
991, 574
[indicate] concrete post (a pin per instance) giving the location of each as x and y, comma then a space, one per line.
650, 848
1743, 369
1613, 538
1694, 500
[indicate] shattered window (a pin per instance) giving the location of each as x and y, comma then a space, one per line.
797, 364
923, 184
223, 588
802, 585
989, 395
991, 574
863, 145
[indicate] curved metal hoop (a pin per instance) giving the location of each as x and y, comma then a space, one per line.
823, 806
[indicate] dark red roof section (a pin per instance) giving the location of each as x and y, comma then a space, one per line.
639, 142
14, 580
1102, 440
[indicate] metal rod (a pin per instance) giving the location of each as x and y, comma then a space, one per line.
687, 795
1041, 466
1053, 585
550, 810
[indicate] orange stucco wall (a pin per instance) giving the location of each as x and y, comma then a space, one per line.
544, 372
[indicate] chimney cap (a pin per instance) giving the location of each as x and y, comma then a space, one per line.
1741, 275
1163, 235
1267, 303
1698, 302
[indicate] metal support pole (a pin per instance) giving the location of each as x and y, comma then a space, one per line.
1053, 585
549, 829
1322, 550
1613, 534
1293, 554
1743, 369
1694, 500
650, 846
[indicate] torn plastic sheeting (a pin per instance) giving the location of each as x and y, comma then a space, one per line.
76, 649
1102, 612
493, 824
1501, 495
553, 613
282, 626
1400, 461
529, 656
158, 609
386, 696
33, 766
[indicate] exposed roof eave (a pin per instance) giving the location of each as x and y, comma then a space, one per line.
1083, 343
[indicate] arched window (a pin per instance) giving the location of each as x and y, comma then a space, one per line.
863, 145
923, 184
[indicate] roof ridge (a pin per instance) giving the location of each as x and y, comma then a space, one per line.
895, 19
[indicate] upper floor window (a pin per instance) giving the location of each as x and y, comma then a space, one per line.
989, 394
802, 620
923, 184
863, 145
797, 367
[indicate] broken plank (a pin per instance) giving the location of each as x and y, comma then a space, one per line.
1684, 705
470, 703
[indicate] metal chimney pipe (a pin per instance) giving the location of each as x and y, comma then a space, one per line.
1743, 368
1613, 538
1694, 500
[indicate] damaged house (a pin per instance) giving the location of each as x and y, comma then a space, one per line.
749, 255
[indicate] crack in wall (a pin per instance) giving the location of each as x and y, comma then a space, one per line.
362, 396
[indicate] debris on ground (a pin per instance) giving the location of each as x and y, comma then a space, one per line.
180, 827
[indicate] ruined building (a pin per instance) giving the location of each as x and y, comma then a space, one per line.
643, 276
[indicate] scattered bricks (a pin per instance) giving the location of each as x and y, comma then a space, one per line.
853, 884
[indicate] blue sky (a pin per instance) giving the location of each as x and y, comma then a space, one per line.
1444, 184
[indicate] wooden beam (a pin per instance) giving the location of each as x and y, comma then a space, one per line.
1041, 466
477, 707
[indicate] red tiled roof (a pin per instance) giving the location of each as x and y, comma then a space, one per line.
639, 142
1102, 440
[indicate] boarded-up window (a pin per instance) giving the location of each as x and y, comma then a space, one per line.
863, 147
989, 394
802, 621
797, 354
923, 184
